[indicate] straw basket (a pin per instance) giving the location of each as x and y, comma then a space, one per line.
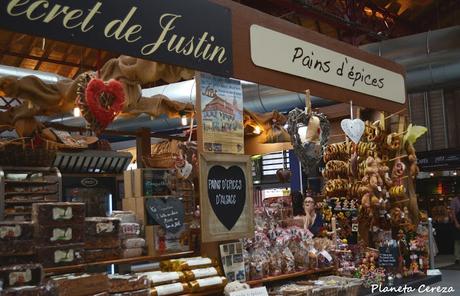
162, 161
21, 152
347, 286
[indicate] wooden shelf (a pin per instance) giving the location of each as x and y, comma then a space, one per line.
20, 202
287, 276
19, 214
30, 193
30, 182
79, 267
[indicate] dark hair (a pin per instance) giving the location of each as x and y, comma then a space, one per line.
297, 203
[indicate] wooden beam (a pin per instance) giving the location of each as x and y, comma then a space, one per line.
68, 51
45, 54
143, 146
60, 126
47, 60
29, 49
318, 26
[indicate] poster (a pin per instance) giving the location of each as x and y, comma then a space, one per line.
232, 260
222, 114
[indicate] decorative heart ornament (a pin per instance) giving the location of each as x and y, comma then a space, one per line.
227, 193
169, 212
100, 102
354, 129
105, 100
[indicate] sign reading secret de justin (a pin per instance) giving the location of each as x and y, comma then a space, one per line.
280, 52
194, 34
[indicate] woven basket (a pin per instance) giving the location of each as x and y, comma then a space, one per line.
163, 160
347, 286
21, 153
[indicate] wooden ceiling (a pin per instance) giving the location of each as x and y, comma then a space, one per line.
353, 21
364, 21
68, 60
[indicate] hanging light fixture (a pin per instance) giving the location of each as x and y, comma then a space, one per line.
183, 118
257, 130
76, 112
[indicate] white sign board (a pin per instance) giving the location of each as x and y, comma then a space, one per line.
262, 291
280, 52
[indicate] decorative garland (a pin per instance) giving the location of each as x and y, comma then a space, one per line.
307, 153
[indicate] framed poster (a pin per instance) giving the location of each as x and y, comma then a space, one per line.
221, 104
226, 197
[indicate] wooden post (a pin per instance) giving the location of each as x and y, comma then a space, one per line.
143, 146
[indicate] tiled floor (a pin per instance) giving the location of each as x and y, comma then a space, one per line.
450, 278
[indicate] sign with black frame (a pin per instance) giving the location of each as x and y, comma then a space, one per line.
194, 34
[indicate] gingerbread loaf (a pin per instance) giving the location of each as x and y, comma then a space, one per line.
58, 213
61, 255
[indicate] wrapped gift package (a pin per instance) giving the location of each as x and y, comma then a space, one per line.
170, 289
109, 242
201, 273
145, 292
125, 216
80, 285
130, 253
206, 284
187, 263
12, 230
21, 275
60, 255
59, 235
28, 291
17, 248
58, 213
135, 242
126, 283
102, 226
102, 255
128, 230
158, 278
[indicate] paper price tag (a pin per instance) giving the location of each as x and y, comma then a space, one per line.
262, 291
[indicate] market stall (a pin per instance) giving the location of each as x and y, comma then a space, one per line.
190, 222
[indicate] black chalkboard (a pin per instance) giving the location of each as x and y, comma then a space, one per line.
156, 182
168, 212
389, 256
227, 193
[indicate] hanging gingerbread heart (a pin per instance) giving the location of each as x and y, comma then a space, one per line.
105, 100
100, 102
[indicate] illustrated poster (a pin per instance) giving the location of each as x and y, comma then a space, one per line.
222, 114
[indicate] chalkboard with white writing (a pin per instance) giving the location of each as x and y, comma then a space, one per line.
168, 212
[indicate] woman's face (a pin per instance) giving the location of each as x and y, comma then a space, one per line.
309, 204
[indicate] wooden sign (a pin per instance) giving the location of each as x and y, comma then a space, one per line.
194, 34
226, 197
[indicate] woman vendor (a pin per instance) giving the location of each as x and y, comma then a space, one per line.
313, 221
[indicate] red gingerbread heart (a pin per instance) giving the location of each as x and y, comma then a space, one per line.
104, 100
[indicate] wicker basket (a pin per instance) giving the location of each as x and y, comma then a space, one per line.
326, 291
161, 161
21, 153
347, 286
